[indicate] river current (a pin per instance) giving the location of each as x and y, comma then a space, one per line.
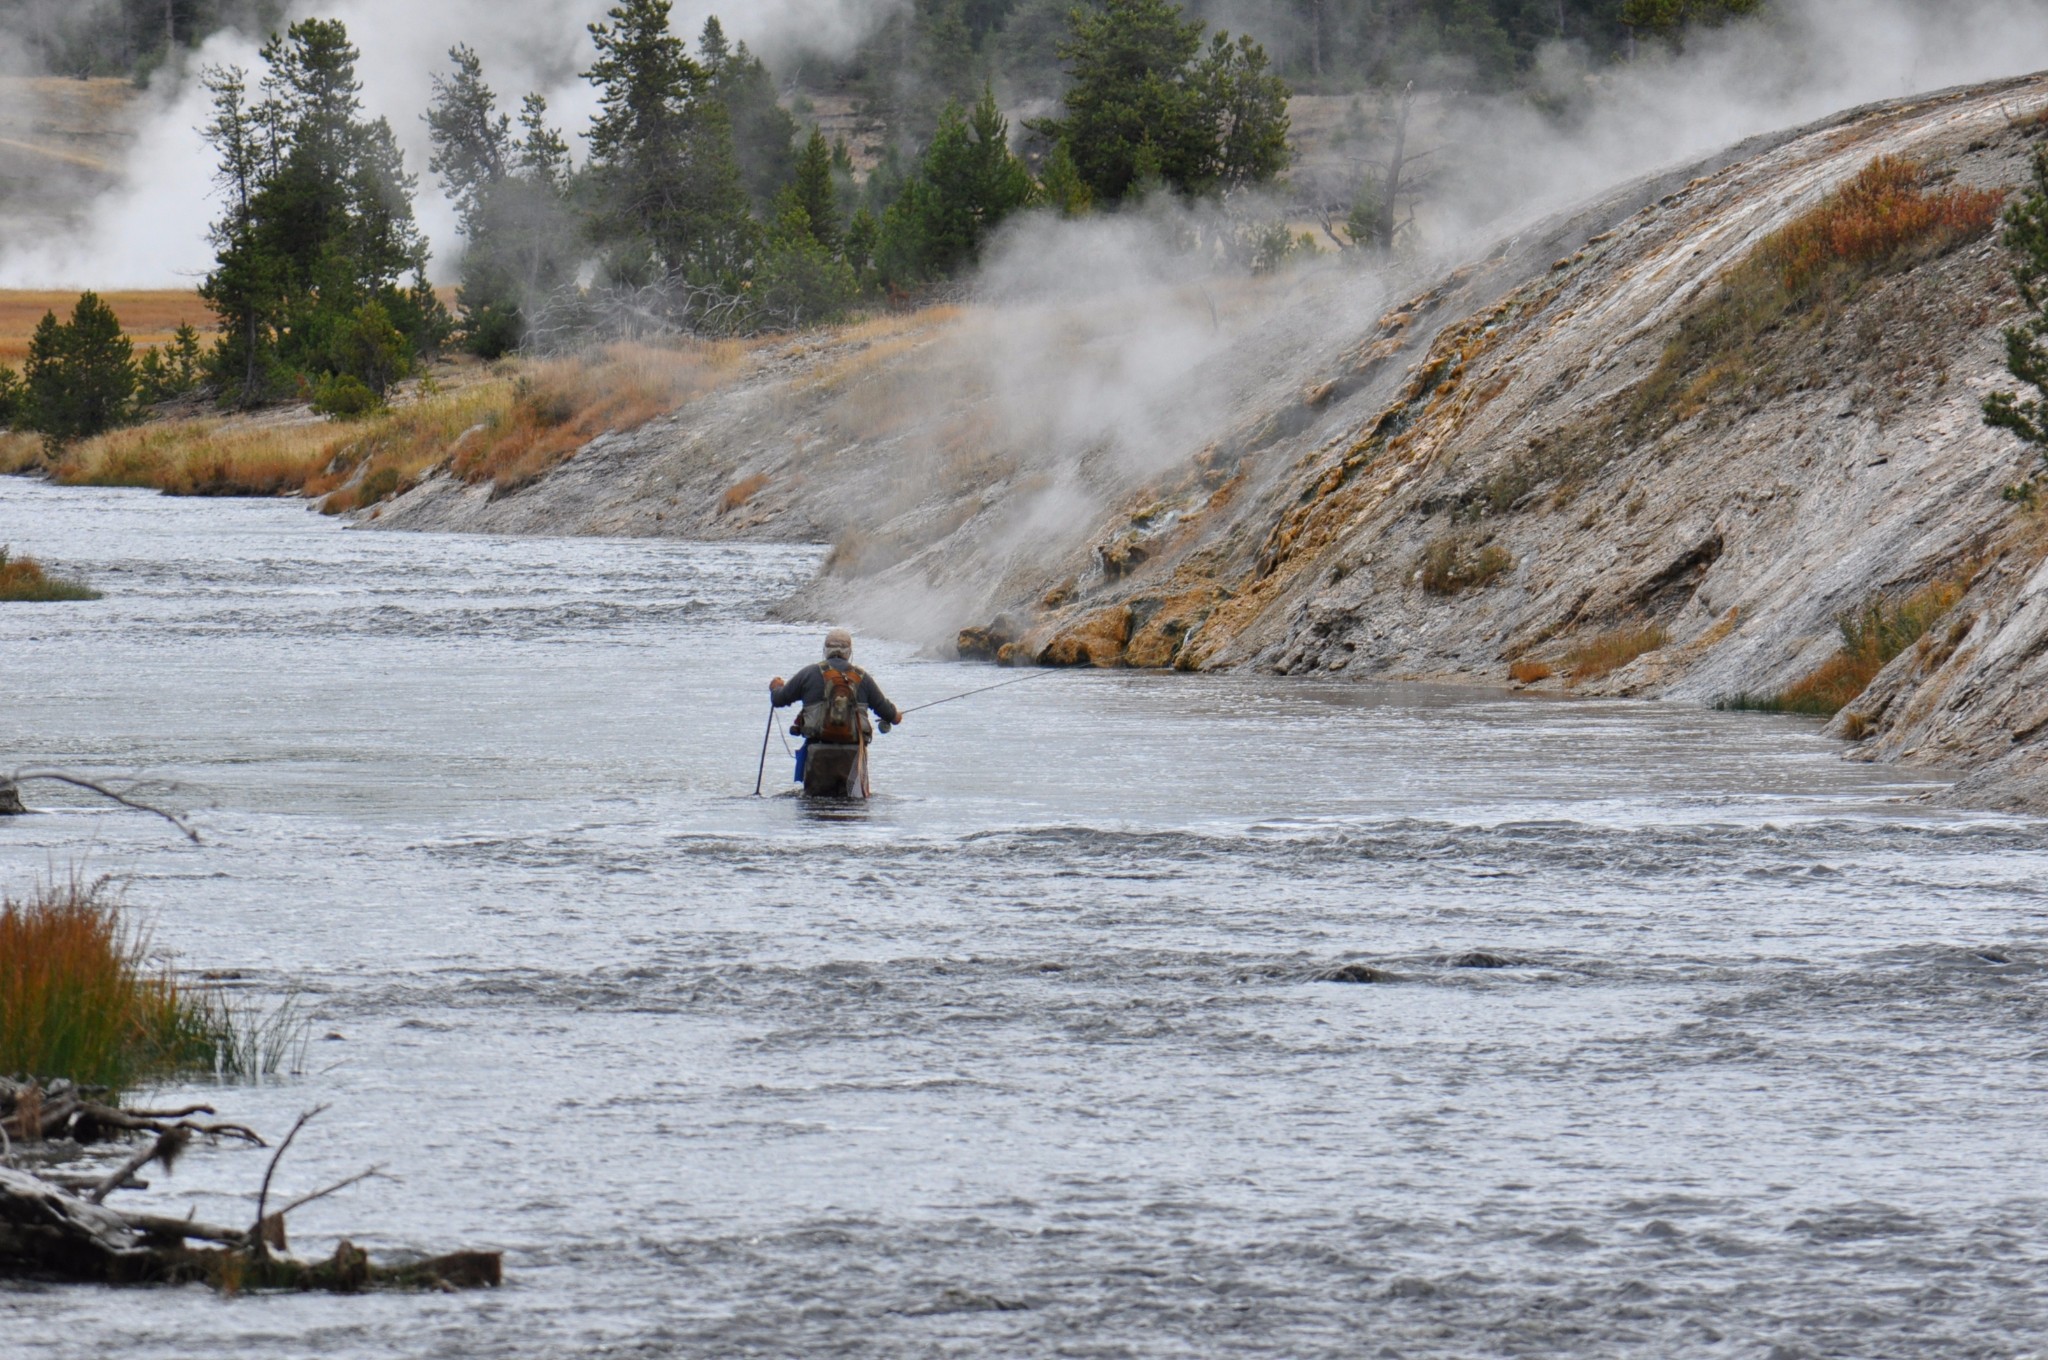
1668, 1032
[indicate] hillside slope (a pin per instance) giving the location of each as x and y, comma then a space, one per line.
1488, 476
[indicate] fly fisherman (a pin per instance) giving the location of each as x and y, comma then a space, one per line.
836, 696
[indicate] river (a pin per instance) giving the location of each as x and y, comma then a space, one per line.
1035, 1054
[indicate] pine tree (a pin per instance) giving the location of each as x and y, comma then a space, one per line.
12, 396
667, 189
763, 132
800, 282
2026, 344
318, 218
511, 200
1060, 186
863, 233
472, 140
1664, 16
817, 192
1128, 63
80, 375
1245, 112
967, 182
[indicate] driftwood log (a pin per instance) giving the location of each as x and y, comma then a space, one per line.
57, 1226
10, 799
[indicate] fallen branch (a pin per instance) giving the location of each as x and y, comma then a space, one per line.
55, 1226
127, 796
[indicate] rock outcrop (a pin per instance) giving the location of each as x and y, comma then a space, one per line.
1479, 484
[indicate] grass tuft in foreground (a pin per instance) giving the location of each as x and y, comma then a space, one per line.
23, 579
1871, 638
79, 1001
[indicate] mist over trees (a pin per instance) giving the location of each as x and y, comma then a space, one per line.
708, 198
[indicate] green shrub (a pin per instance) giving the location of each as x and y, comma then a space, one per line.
344, 396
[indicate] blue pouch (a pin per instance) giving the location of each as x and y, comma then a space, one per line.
801, 752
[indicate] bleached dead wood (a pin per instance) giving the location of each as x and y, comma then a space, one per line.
56, 1226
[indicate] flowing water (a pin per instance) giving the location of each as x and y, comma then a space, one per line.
1672, 1033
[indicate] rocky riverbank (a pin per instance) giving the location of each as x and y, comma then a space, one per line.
1495, 479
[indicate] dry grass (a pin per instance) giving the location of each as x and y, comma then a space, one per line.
78, 1001
1872, 220
211, 457
22, 579
556, 407
1453, 563
742, 491
507, 429
1871, 637
1885, 220
19, 453
149, 318
1529, 672
1610, 651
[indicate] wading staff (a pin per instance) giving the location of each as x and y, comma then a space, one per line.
768, 732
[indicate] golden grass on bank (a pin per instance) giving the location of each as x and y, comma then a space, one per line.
1610, 651
1871, 637
22, 579
78, 1000
209, 457
557, 406
507, 429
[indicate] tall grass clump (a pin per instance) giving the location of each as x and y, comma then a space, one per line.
79, 1001
1610, 651
1884, 220
1872, 637
23, 579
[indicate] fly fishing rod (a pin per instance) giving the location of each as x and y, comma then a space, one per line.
1035, 675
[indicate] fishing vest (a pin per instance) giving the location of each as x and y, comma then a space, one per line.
839, 718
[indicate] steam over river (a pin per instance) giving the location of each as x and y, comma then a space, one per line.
1031, 1056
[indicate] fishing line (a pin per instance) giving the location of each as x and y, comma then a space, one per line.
1036, 675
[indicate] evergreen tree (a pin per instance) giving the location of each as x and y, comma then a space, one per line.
817, 190
318, 219
1060, 187
800, 282
1663, 16
472, 140
80, 375
863, 233
1129, 96
12, 396
1244, 111
967, 182
763, 132
173, 371
2026, 344
667, 191
511, 200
